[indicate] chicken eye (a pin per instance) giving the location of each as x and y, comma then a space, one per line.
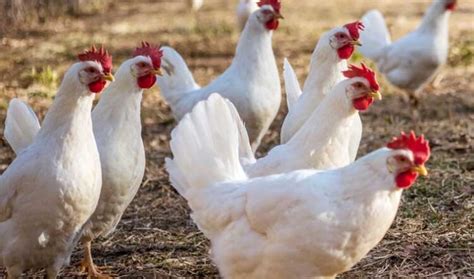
141, 64
90, 70
340, 36
359, 85
402, 159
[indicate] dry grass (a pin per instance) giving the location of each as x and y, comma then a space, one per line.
432, 234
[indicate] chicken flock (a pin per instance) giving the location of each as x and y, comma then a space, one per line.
306, 209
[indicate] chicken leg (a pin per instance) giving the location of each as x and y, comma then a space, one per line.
436, 82
87, 264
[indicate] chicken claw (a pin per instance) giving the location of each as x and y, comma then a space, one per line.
87, 264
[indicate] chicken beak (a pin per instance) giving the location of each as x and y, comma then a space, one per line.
157, 72
279, 16
109, 77
420, 169
356, 43
376, 95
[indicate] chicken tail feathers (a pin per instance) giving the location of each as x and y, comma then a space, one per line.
176, 80
292, 86
375, 35
21, 125
205, 145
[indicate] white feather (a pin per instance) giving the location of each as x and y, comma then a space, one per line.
292, 86
21, 125
204, 151
375, 36
177, 79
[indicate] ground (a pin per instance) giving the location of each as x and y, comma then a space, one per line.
432, 234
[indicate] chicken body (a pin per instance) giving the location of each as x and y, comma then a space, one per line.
414, 59
117, 129
299, 224
52, 188
325, 72
251, 83
323, 142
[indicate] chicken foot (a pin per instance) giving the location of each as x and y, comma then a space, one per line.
87, 264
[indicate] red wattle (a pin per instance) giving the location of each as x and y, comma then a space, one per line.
346, 51
362, 103
97, 86
451, 6
147, 81
272, 24
405, 179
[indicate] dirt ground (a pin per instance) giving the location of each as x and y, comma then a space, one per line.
432, 234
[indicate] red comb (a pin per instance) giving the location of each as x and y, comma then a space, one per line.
363, 72
354, 29
100, 55
419, 146
276, 4
154, 52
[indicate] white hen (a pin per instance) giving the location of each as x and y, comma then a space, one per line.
327, 139
117, 130
327, 63
300, 224
414, 59
251, 82
244, 10
52, 188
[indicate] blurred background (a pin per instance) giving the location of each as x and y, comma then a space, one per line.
431, 237
17, 12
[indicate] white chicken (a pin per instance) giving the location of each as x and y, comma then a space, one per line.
327, 139
251, 82
414, 59
300, 224
117, 130
327, 63
244, 9
52, 188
